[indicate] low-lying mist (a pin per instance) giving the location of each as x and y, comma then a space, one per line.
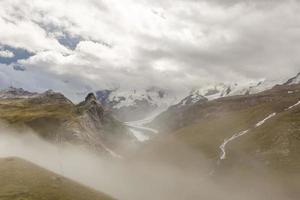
137, 179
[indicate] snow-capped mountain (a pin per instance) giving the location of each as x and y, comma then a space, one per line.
131, 105
215, 91
193, 98
294, 80
231, 89
219, 90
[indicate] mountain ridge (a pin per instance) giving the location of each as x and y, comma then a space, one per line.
54, 117
139, 103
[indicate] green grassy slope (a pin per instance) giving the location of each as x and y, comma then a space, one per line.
21, 180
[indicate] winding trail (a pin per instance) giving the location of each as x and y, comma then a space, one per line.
237, 135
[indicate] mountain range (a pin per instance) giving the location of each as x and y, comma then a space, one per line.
242, 133
132, 105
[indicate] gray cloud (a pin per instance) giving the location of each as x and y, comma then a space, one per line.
173, 44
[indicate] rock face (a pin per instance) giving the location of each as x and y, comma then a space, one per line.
92, 108
56, 118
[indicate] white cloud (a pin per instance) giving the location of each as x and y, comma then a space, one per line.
165, 65
27, 35
141, 43
6, 54
116, 56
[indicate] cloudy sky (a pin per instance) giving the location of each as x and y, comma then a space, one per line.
83, 45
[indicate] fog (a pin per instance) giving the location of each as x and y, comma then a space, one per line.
140, 178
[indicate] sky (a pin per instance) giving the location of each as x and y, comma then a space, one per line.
84, 45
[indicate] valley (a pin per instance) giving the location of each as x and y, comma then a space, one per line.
211, 140
149, 100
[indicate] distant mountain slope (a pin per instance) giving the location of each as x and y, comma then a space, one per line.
220, 90
193, 98
217, 91
205, 126
56, 118
16, 93
21, 180
132, 105
246, 134
293, 80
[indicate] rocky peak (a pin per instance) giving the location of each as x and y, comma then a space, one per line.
194, 98
92, 107
90, 98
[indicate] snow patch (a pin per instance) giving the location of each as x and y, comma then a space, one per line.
264, 120
140, 136
139, 129
112, 153
235, 136
293, 106
156, 97
226, 141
